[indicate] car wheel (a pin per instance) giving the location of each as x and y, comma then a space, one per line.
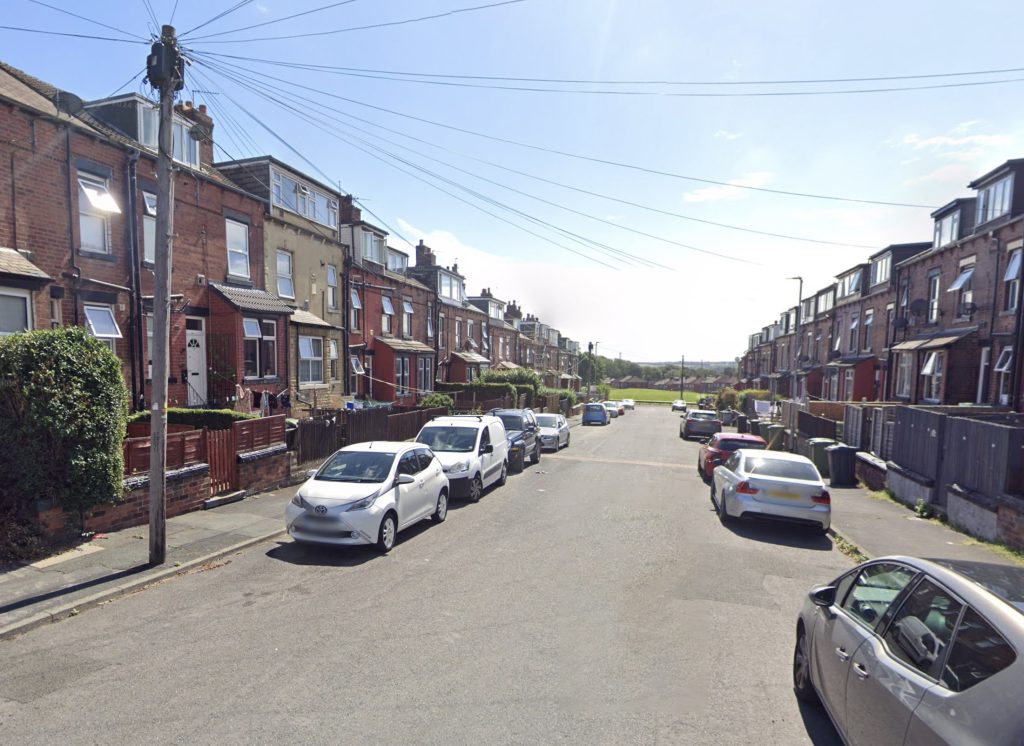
723, 514
802, 685
441, 511
700, 470
567, 439
387, 532
535, 458
504, 474
476, 489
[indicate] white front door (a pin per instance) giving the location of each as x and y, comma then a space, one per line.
195, 361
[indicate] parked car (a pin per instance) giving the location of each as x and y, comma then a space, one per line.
521, 429
679, 405
721, 446
368, 492
629, 403
771, 484
701, 422
613, 408
554, 431
909, 651
621, 406
473, 449
595, 414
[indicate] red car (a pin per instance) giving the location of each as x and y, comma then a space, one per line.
720, 447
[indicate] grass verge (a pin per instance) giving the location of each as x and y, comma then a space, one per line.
654, 395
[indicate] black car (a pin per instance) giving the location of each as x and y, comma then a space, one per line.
521, 429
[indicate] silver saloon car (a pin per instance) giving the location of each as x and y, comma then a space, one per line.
771, 484
916, 652
554, 431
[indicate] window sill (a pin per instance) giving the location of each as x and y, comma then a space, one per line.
102, 256
257, 379
313, 385
237, 280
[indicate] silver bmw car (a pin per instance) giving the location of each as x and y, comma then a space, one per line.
916, 652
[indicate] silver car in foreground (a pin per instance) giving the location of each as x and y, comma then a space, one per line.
916, 652
771, 484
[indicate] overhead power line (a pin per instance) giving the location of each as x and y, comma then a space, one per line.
86, 19
591, 81
66, 33
578, 156
385, 24
222, 14
276, 20
617, 200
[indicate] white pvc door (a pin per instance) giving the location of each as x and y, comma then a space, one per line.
195, 361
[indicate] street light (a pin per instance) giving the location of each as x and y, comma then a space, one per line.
797, 347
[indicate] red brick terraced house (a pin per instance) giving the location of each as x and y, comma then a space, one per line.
391, 318
850, 370
78, 203
499, 339
460, 325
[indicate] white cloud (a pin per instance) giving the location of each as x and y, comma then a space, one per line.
727, 135
263, 9
965, 126
733, 190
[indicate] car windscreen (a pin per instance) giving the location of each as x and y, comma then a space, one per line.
595, 407
512, 421
734, 445
356, 466
451, 439
703, 416
547, 420
781, 469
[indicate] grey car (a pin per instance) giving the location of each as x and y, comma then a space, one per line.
914, 652
701, 423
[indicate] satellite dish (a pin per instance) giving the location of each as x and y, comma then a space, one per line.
68, 103
918, 306
901, 323
833, 354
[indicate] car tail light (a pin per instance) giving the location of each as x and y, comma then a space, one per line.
745, 488
823, 499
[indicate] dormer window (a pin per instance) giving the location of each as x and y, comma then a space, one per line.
373, 248
826, 301
849, 284
311, 203
450, 287
881, 270
947, 230
994, 200
184, 149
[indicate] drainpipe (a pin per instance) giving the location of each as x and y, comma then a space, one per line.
135, 347
70, 166
992, 320
1018, 331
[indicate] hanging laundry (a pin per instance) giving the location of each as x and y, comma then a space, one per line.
272, 401
286, 401
256, 396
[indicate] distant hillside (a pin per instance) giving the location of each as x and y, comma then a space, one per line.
710, 365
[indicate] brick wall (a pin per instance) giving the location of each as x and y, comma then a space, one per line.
186, 490
1011, 522
263, 470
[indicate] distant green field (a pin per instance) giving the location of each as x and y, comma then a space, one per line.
653, 395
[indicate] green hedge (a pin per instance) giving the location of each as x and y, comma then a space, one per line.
438, 399
214, 419
522, 378
562, 394
63, 407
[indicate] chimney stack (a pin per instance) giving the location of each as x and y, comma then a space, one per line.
424, 255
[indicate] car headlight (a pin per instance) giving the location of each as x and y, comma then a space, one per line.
298, 501
364, 503
462, 466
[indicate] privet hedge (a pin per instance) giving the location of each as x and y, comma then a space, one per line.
483, 390
214, 419
437, 399
63, 408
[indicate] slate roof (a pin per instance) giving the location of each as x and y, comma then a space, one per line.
301, 316
470, 357
252, 299
13, 263
404, 345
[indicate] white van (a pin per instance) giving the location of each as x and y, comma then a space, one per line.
472, 449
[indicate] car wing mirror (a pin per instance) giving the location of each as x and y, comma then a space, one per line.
405, 479
823, 596
488, 448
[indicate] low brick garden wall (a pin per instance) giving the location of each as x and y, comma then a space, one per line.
265, 469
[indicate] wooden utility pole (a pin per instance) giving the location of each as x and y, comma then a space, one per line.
682, 374
165, 72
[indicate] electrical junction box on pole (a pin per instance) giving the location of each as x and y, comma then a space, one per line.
165, 66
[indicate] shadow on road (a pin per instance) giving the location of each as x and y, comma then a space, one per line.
819, 728
781, 533
329, 555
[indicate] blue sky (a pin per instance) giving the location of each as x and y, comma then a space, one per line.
918, 147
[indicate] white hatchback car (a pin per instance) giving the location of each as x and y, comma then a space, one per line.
473, 449
771, 484
368, 492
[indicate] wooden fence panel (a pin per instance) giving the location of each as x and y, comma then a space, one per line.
363, 425
918, 440
183, 449
318, 437
811, 426
253, 435
853, 425
222, 458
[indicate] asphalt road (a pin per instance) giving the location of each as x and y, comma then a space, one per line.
594, 599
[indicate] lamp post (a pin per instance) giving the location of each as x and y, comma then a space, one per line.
797, 347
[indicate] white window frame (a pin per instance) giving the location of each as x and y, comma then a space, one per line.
934, 293
1004, 367
374, 249
869, 321
995, 200
354, 309
904, 373
263, 336
387, 314
402, 366
1011, 279
932, 372
239, 252
947, 230
458, 334
307, 201
311, 362
332, 345
286, 277
430, 321
148, 227
407, 312
881, 270
332, 287
424, 374
108, 336
95, 203
26, 297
